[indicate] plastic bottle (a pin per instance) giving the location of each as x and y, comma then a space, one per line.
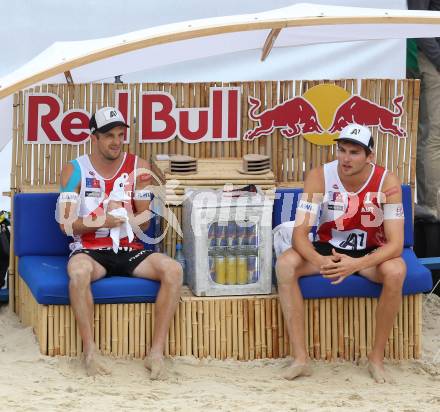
181, 259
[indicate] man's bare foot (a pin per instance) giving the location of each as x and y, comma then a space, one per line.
297, 369
93, 365
156, 365
378, 373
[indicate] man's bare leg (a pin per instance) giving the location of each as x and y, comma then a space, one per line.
169, 273
392, 275
82, 270
289, 268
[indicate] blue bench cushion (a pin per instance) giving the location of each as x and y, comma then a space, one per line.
286, 199
4, 295
37, 233
47, 278
418, 280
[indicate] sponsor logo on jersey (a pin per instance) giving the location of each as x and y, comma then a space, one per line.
92, 193
92, 183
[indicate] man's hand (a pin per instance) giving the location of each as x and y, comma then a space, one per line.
112, 205
112, 221
340, 269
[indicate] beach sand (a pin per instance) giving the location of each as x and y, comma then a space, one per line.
32, 382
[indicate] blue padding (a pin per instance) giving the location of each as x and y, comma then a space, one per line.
4, 295
46, 277
36, 232
286, 199
418, 280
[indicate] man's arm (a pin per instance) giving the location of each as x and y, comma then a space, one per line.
69, 203
142, 196
393, 225
307, 215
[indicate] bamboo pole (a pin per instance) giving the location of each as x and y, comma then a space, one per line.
411, 325
362, 329
212, 330
120, 310
252, 332
333, 334
356, 321
228, 329
206, 332
351, 328
178, 331
258, 349
246, 341
56, 330
62, 331
369, 325
189, 337
400, 317
108, 329
194, 323
218, 330
323, 327
405, 327
341, 336
316, 329
240, 318
137, 350
234, 307
183, 328
223, 341
275, 328
142, 337
114, 330
125, 320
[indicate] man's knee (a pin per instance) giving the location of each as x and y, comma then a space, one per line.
394, 274
80, 275
286, 266
171, 273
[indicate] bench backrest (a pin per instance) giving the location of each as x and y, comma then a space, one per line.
286, 199
36, 232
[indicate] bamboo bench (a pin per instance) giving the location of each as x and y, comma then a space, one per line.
340, 321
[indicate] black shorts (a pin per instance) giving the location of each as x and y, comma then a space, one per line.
122, 263
325, 249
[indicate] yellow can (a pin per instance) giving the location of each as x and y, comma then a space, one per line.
231, 270
220, 269
242, 272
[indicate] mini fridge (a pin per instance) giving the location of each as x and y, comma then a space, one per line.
227, 242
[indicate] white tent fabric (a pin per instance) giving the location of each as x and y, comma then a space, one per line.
300, 24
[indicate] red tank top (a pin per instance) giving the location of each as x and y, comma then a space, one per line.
352, 221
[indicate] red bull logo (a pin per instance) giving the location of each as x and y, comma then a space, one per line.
321, 113
361, 111
293, 117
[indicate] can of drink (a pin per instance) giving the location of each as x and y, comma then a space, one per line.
251, 233
220, 269
220, 235
241, 234
231, 234
253, 269
231, 270
242, 269
211, 268
212, 230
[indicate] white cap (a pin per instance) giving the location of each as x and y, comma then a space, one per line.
106, 119
358, 134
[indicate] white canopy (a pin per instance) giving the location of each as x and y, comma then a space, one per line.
299, 24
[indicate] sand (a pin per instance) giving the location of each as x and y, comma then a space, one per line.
32, 382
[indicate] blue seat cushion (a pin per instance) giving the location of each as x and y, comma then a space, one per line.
418, 280
46, 277
37, 233
286, 199
4, 295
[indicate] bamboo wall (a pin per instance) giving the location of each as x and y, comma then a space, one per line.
37, 167
243, 328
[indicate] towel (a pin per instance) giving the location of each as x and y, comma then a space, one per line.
282, 237
125, 230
